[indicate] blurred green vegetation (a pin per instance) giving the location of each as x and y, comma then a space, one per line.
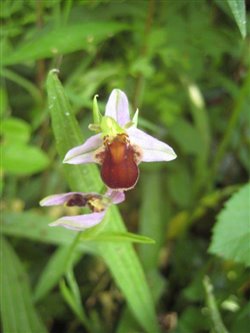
185, 65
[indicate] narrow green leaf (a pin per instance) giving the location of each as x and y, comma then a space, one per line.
118, 237
231, 234
74, 289
127, 323
54, 270
238, 9
17, 311
120, 258
152, 223
72, 296
33, 226
151, 219
68, 135
71, 301
62, 40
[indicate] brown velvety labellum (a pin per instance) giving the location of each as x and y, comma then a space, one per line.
76, 200
119, 169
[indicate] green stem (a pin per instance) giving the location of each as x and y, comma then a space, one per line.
72, 248
211, 303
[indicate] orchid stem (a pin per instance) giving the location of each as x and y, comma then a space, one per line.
71, 251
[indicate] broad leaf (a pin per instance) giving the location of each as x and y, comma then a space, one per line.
17, 311
22, 159
231, 234
15, 130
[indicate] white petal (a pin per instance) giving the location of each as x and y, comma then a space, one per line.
79, 222
117, 107
84, 153
115, 196
153, 149
57, 199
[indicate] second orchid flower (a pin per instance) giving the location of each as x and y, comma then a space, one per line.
97, 204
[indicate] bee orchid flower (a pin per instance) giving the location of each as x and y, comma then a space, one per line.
97, 203
120, 146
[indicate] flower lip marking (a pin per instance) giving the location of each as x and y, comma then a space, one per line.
119, 169
94, 201
77, 200
98, 205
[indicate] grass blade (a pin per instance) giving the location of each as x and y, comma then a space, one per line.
71, 295
54, 270
17, 311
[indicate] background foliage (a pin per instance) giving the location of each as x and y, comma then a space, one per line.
185, 64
